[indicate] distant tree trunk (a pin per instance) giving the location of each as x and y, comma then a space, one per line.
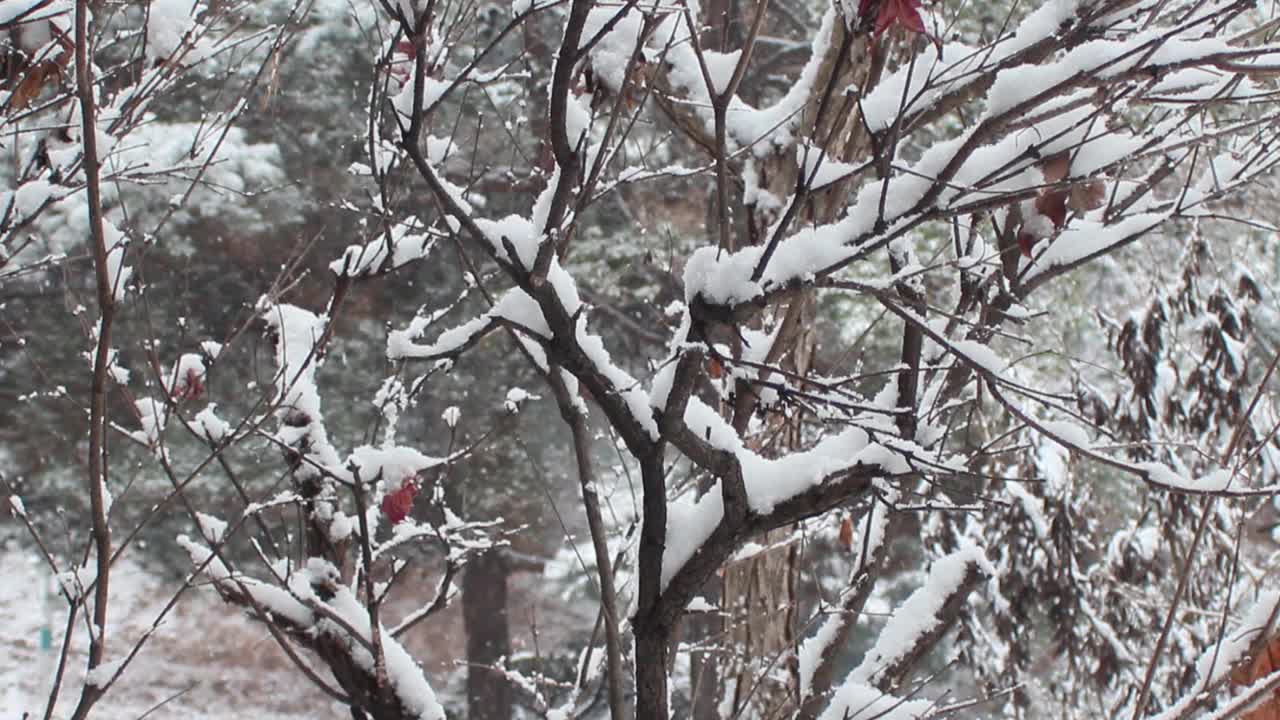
758, 595
724, 25
703, 629
760, 678
484, 609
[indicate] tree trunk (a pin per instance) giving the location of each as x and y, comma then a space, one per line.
703, 629
484, 608
758, 626
652, 644
759, 594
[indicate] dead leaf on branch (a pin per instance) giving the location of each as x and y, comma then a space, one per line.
1267, 662
1051, 205
26, 77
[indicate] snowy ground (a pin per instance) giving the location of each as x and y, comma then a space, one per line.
206, 661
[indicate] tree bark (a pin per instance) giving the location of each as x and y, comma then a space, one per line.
704, 664
653, 641
484, 608
758, 594
758, 625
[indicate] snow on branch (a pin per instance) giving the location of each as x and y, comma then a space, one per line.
919, 622
299, 339
818, 653
989, 161
401, 246
856, 701
317, 611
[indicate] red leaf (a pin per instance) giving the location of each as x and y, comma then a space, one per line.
902, 12
714, 368
188, 387
1026, 241
403, 57
846, 533
397, 505
1053, 205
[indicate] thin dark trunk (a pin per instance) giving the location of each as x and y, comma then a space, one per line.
704, 667
652, 632
484, 608
652, 643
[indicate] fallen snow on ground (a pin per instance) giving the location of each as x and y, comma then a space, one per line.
205, 662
